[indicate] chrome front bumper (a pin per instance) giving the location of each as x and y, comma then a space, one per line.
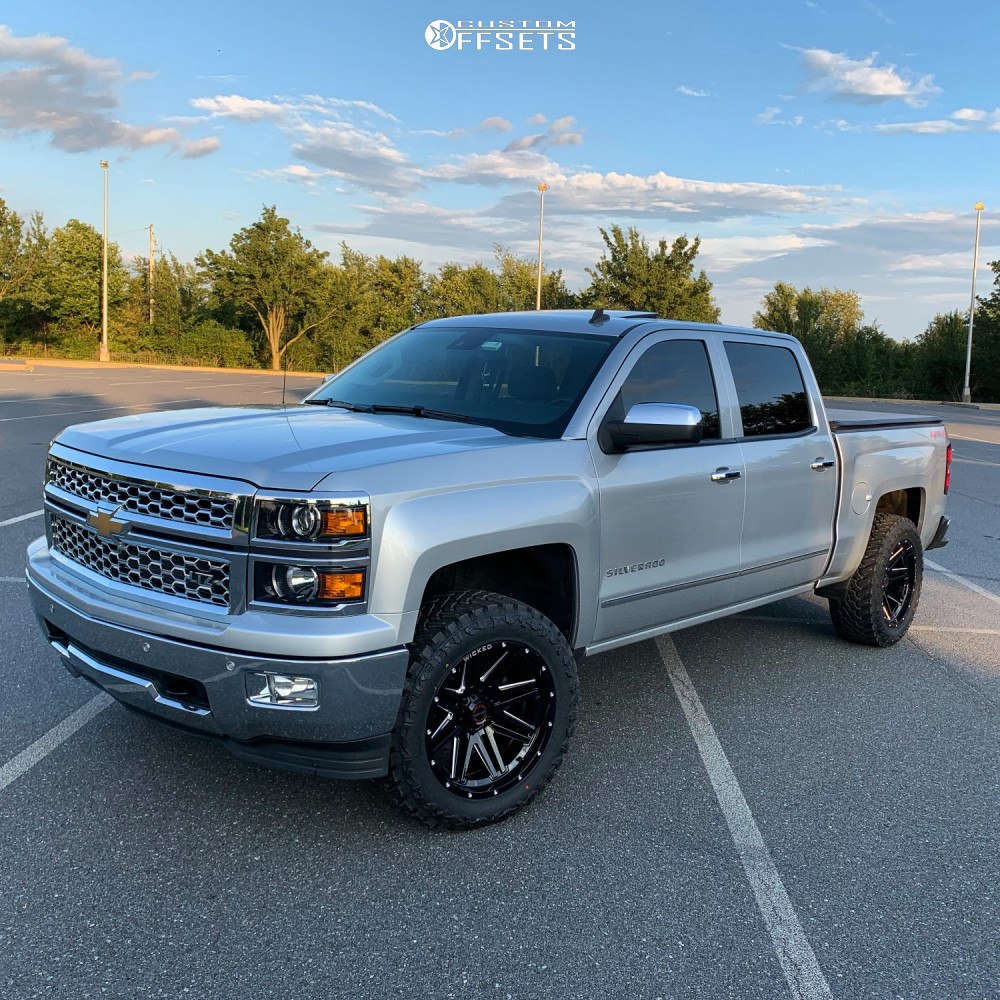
203, 689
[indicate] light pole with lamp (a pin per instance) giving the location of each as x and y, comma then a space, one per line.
542, 188
104, 355
966, 392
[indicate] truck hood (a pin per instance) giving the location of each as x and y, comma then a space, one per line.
274, 448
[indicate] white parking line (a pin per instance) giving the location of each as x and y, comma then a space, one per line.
149, 381
101, 409
57, 735
52, 397
21, 517
961, 579
11, 579
798, 961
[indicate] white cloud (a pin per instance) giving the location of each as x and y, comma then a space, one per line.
195, 148
562, 124
691, 92
330, 103
365, 158
244, 109
296, 173
724, 253
936, 127
494, 122
861, 81
525, 142
968, 115
538, 119
56, 88
769, 116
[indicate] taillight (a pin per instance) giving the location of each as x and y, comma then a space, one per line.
947, 470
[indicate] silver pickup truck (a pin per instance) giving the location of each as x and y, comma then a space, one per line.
400, 576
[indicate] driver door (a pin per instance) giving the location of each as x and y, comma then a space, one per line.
672, 515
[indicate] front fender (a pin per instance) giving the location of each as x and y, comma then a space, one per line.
422, 535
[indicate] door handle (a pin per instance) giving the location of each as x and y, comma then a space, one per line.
822, 463
725, 475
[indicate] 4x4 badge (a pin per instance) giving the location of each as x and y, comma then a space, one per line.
103, 521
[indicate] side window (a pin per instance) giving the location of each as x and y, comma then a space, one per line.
674, 371
770, 389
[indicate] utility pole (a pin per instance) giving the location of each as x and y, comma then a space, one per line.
542, 188
152, 297
966, 392
104, 354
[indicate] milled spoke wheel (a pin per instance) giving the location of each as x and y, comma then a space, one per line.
897, 583
880, 599
488, 708
492, 715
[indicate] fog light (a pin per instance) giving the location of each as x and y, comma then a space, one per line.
282, 690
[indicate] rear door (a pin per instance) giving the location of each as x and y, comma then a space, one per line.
790, 467
670, 532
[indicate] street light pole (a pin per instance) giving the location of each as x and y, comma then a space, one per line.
105, 355
966, 392
542, 188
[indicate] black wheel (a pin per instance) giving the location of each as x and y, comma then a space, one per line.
487, 710
881, 597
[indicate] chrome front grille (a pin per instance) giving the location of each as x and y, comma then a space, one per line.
195, 578
139, 497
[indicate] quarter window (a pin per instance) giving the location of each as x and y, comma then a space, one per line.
770, 390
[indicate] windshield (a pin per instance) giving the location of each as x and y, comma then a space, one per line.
523, 382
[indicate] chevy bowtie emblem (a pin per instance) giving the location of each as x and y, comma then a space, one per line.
103, 521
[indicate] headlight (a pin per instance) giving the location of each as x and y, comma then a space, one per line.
306, 586
309, 520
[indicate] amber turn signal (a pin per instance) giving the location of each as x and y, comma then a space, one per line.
346, 521
341, 586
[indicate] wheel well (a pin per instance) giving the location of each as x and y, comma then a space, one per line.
906, 503
542, 576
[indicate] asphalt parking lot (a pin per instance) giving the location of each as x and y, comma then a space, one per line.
751, 809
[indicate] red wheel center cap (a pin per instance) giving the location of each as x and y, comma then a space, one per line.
479, 714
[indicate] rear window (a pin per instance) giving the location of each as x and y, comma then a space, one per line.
770, 389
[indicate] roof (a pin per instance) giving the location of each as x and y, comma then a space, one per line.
609, 322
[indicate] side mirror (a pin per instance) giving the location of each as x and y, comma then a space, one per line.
650, 424
326, 378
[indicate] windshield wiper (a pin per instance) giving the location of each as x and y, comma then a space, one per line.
420, 411
355, 407
417, 411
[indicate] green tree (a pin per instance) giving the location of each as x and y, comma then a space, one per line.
985, 370
630, 276
517, 283
824, 321
70, 275
22, 247
373, 298
458, 290
276, 274
940, 357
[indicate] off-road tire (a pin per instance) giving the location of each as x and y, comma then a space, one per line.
453, 631
880, 599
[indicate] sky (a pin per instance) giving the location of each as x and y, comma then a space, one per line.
826, 144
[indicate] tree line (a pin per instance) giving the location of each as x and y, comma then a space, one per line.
272, 299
